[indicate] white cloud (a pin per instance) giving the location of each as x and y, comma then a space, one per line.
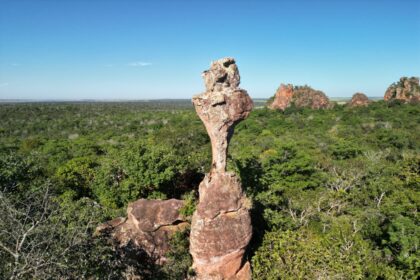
139, 64
3, 85
15, 64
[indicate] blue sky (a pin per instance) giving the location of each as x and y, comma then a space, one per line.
91, 49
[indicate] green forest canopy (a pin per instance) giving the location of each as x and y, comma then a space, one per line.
335, 192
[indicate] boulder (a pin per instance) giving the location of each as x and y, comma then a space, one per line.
221, 225
299, 96
148, 227
406, 90
359, 99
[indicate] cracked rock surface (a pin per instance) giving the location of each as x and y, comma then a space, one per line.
148, 226
221, 225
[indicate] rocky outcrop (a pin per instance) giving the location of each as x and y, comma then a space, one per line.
148, 227
221, 225
282, 98
359, 99
406, 90
299, 96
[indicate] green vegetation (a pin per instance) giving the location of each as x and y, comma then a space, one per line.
335, 193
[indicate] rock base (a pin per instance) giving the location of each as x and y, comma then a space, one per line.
221, 229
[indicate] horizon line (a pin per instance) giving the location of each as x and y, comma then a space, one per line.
129, 99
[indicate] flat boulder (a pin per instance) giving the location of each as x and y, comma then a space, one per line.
148, 227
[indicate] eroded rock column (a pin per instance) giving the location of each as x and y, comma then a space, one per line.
221, 226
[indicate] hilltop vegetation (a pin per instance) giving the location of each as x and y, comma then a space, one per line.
335, 193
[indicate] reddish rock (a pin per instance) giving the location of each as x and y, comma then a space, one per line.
406, 90
221, 225
359, 99
300, 96
149, 226
221, 107
283, 97
223, 74
220, 228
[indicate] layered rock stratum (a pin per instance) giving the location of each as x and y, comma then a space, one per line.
221, 225
359, 100
148, 227
406, 90
299, 96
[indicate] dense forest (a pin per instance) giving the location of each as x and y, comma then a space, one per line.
335, 192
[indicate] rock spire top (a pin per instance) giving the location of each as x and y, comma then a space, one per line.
222, 106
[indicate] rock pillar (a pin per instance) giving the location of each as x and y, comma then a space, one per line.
221, 225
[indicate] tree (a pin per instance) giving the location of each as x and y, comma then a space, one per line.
40, 240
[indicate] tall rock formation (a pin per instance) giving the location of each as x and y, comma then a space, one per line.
221, 225
359, 99
300, 96
406, 90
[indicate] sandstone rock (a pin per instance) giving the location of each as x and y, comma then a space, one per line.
221, 225
148, 226
406, 90
308, 97
220, 228
300, 96
222, 106
359, 99
283, 97
222, 74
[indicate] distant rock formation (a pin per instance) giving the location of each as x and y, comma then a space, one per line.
406, 90
283, 97
359, 99
300, 96
148, 227
221, 225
